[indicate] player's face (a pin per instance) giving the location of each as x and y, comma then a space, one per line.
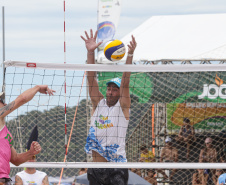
208, 144
112, 94
151, 174
186, 123
218, 172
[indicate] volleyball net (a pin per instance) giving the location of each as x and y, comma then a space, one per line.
164, 98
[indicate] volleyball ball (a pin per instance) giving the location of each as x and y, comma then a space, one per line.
114, 50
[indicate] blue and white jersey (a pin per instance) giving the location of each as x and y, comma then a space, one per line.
107, 132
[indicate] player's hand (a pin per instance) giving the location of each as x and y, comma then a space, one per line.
132, 45
35, 148
90, 41
44, 89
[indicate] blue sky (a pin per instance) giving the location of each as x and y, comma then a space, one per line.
34, 28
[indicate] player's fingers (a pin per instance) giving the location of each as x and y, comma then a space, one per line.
87, 36
37, 147
95, 36
134, 41
52, 91
91, 33
99, 44
130, 48
83, 38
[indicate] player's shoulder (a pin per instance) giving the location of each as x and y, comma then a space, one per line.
150, 153
41, 173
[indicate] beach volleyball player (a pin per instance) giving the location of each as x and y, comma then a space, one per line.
110, 119
7, 151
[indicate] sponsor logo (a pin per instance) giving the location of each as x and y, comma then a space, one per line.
212, 91
103, 123
31, 64
10, 139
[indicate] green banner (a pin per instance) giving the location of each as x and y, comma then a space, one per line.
140, 84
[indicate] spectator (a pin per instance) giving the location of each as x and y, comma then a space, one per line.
169, 154
82, 171
223, 156
147, 156
217, 174
209, 153
186, 135
222, 179
199, 177
31, 175
150, 177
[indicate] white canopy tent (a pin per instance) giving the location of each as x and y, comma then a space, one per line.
179, 37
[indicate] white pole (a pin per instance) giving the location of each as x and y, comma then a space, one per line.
3, 35
3, 49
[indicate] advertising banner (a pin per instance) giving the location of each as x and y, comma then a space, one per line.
199, 96
108, 18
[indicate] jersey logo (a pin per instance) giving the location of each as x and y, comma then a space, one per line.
10, 139
104, 123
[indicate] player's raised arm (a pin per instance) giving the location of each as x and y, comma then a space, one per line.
23, 98
91, 45
124, 90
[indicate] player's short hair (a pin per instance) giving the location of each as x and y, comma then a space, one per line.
187, 120
143, 147
151, 170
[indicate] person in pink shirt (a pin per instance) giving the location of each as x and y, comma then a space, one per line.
7, 151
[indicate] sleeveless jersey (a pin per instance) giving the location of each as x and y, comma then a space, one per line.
32, 179
107, 133
6, 142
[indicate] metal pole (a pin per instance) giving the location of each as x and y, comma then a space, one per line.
3, 34
3, 48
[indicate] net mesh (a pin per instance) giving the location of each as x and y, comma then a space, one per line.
161, 102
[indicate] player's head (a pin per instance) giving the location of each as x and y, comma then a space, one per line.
219, 172
168, 141
201, 171
143, 148
208, 142
151, 172
187, 121
113, 91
